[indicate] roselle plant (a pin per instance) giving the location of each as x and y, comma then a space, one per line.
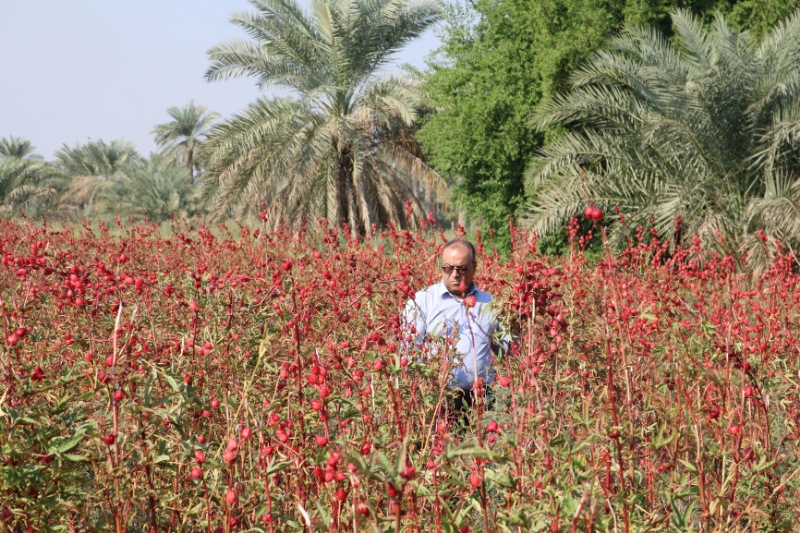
209, 379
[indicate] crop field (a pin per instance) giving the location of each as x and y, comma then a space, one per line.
201, 380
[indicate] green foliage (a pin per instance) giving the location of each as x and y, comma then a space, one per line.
17, 147
98, 158
342, 149
755, 16
28, 185
91, 168
155, 190
183, 137
703, 130
501, 59
496, 64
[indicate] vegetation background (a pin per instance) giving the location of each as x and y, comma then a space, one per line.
460, 139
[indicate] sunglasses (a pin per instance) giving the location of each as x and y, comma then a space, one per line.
447, 269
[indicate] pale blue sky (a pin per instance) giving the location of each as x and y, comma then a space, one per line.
75, 70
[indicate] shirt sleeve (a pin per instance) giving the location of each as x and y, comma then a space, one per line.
414, 323
501, 335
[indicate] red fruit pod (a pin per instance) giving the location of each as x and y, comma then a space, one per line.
231, 496
197, 472
321, 440
110, 439
200, 456
733, 429
37, 374
475, 480
593, 213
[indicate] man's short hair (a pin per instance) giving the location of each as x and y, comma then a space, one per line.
461, 242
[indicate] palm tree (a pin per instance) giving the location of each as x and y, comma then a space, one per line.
93, 166
184, 135
155, 190
17, 147
30, 185
704, 129
342, 149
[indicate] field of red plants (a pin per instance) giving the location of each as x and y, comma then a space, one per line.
205, 381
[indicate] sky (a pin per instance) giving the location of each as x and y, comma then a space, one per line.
81, 70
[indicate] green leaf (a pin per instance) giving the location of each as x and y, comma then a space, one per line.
69, 444
278, 467
172, 383
660, 441
689, 466
763, 464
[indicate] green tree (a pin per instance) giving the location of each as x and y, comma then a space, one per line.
704, 129
17, 147
156, 190
92, 167
500, 59
756, 16
183, 137
28, 185
342, 148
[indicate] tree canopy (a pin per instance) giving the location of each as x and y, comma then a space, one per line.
703, 129
501, 59
341, 148
183, 137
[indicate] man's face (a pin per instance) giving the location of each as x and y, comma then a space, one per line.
463, 264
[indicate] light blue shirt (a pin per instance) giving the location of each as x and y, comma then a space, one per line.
436, 312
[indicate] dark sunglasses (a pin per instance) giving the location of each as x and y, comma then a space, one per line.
447, 269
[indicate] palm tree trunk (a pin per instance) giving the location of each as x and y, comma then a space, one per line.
190, 165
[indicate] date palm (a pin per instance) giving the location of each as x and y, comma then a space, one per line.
28, 184
341, 148
185, 134
94, 166
154, 190
704, 128
17, 147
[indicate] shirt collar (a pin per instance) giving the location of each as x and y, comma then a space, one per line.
443, 292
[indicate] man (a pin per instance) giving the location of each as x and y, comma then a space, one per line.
455, 310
